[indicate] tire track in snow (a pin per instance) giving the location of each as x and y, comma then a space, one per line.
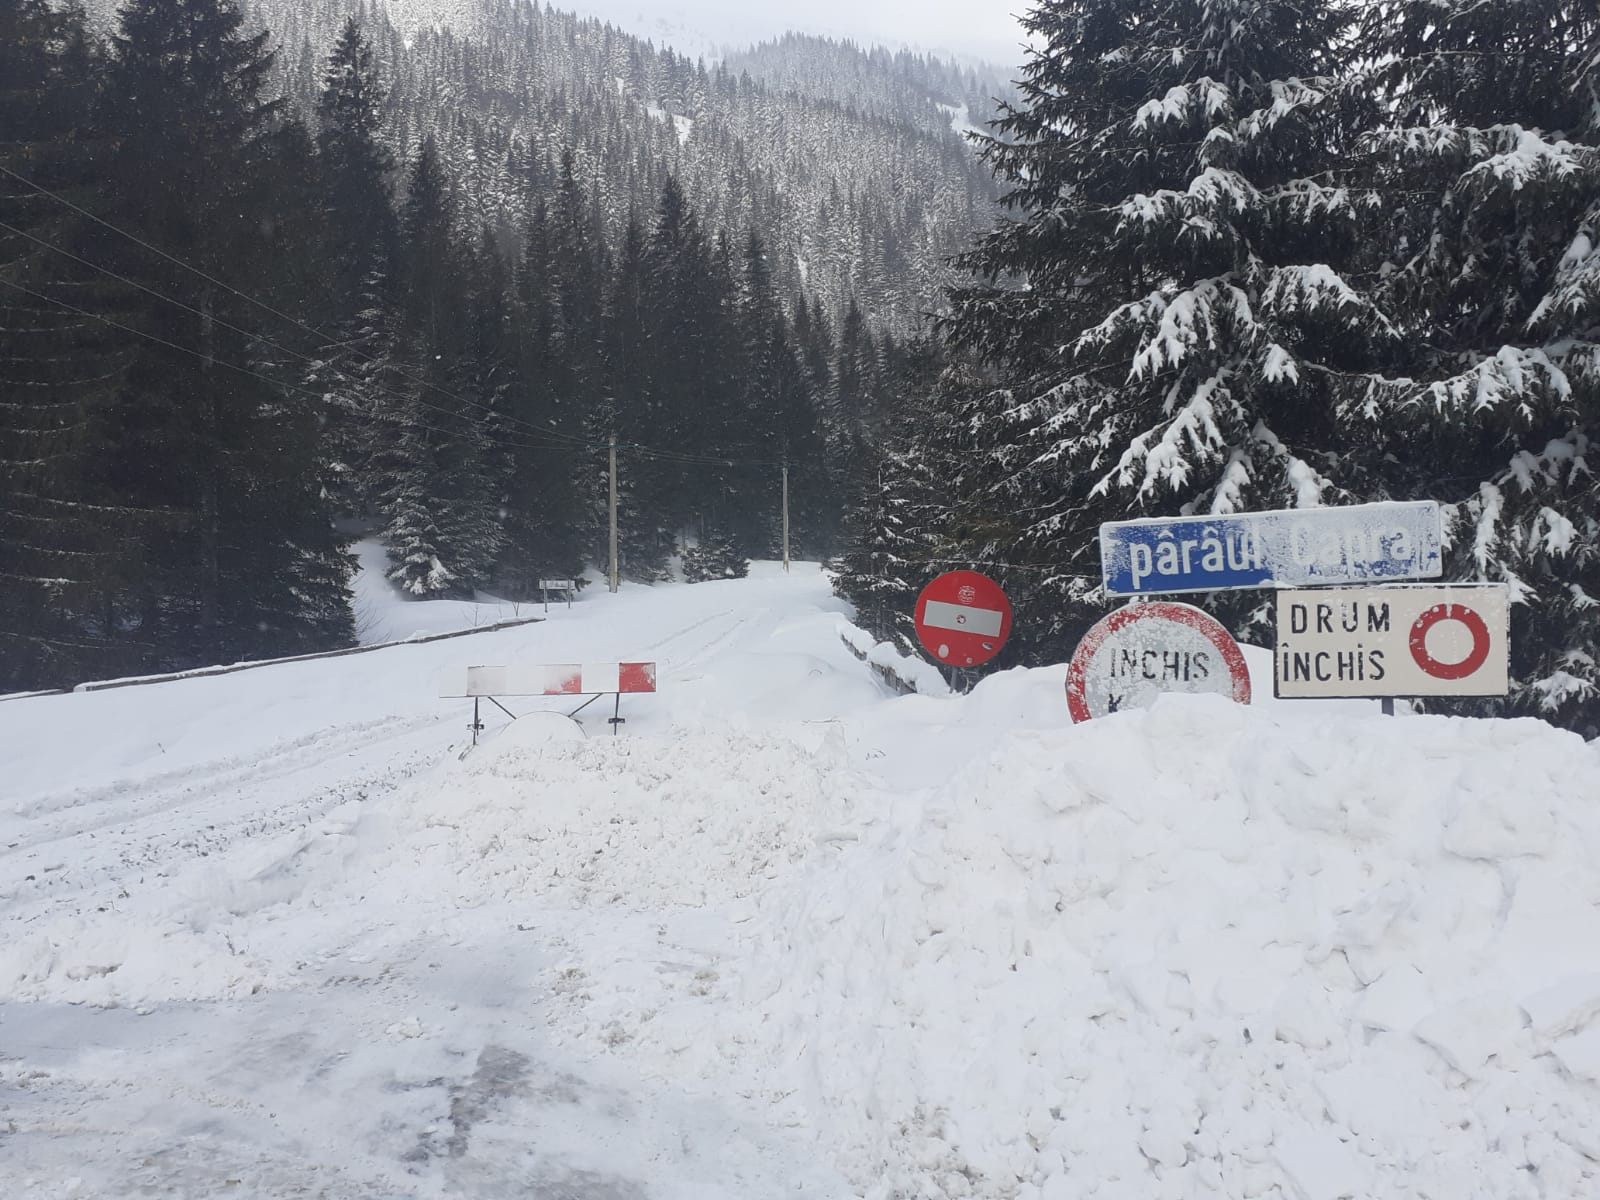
171, 828
720, 640
314, 747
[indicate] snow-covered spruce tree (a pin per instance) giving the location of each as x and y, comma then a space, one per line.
206, 167
354, 169
550, 514
65, 543
686, 334
899, 526
716, 557
1494, 185
440, 495
1171, 308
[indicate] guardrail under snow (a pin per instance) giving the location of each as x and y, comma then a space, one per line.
104, 685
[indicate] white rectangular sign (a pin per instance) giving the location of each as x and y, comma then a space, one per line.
556, 585
518, 679
1401, 640
984, 622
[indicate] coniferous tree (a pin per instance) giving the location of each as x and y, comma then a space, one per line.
781, 415
358, 223
899, 525
356, 167
1493, 182
202, 174
681, 336
65, 544
549, 514
439, 495
628, 413
714, 557
1188, 227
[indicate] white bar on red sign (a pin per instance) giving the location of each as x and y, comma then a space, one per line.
983, 622
561, 679
485, 681
602, 677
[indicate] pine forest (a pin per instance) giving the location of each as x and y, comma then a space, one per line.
277, 276
274, 276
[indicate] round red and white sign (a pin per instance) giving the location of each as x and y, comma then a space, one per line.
1458, 667
963, 618
1141, 651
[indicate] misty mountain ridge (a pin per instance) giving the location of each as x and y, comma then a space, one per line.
848, 162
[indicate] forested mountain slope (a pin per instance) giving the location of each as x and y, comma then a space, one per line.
842, 159
270, 270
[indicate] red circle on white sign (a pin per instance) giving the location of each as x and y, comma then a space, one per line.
1476, 626
1141, 651
963, 618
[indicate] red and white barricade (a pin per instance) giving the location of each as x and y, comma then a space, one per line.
594, 680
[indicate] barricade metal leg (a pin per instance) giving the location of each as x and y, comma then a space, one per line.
616, 716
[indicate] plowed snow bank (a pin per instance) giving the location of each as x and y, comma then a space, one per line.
1201, 951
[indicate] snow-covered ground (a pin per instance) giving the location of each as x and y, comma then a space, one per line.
273, 934
384, 614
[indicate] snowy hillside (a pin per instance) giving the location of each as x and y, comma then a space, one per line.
274, 934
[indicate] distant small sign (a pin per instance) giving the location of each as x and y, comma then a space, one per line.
1144, 650
557, 585
1407, 640
1365, 543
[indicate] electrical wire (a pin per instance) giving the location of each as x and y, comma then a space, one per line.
977, 564
571, 441
277, 383
261, 304
257, 337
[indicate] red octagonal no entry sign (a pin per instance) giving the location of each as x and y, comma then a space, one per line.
963, 618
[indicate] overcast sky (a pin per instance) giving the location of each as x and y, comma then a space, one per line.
983, 29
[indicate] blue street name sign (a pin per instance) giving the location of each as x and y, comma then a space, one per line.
1367, 543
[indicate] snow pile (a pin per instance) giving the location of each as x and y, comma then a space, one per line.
110, 962
704, 817
1208, 951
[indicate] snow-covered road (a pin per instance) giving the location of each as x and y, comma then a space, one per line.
182, 1018
271, 934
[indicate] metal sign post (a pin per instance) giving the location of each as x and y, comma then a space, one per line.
567, 586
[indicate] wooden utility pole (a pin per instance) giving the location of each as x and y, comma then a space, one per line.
786, 514
614, 577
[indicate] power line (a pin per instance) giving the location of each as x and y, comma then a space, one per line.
278, 383
979, 564
266, 341
261, 304
571, 441
691, 459
511, 438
